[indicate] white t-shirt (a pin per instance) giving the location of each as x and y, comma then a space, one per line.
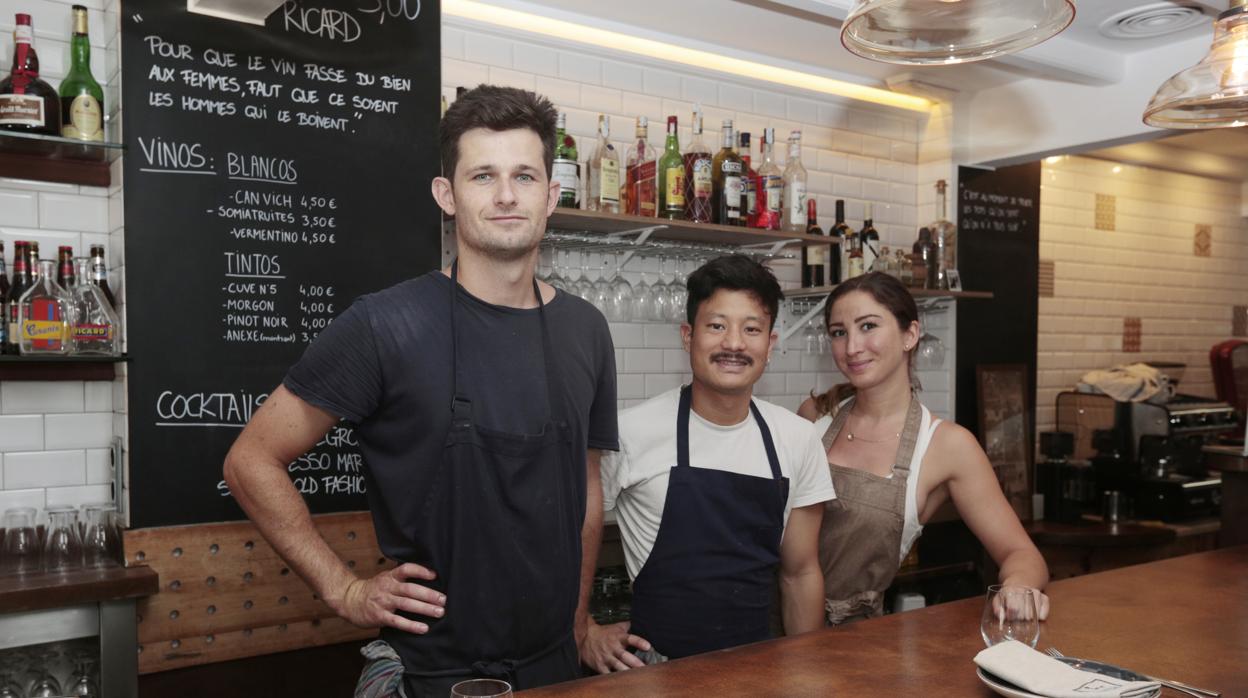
634, 479
911, 529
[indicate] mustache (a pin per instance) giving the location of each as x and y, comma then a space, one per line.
733, 356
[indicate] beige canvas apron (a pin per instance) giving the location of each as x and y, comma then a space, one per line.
860, 539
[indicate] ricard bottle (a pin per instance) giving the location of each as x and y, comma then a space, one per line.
95, 324
44, 315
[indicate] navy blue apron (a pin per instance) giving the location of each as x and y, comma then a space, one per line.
707, 584
501, 527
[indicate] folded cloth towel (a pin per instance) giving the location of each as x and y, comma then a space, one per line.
1129, 383
1030, 670
383, 672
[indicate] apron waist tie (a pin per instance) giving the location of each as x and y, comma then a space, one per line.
502, 669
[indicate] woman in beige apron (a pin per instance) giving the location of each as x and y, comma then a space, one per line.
892, 464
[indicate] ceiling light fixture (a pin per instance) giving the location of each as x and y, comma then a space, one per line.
940, 32
601, 38
1214, 92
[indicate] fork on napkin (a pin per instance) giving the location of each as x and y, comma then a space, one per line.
1033, 671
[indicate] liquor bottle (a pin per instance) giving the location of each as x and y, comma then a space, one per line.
813, 256
21, 282
672, 176
794, 193
4, 299
32, 260
870, 238
905, 271
769, 185
750, 212
26, 102
65, 267
43, 315
923, 258
604, 172
99, 273
836, 254
945, 239
640, 188
95, 325
82, 99
698, 176
854, 266
566, 170
728, 169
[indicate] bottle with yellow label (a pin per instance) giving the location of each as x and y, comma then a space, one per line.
82, 100
672, 176
45, 314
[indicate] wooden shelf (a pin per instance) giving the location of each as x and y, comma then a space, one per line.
55, 159
92, 585
916, 292
595, 223
59, 368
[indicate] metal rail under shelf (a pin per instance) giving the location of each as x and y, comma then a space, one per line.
810, 302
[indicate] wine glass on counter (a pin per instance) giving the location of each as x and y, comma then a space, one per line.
1010, 614
481, 688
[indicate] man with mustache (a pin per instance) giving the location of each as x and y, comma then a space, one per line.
714, 490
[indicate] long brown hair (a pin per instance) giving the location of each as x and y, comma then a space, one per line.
888, 292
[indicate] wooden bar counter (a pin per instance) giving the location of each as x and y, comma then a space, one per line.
1185, 619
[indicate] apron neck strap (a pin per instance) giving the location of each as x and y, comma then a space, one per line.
461, 404
909, 432
682, 433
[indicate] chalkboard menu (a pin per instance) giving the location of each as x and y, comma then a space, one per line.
272, 175
998, 251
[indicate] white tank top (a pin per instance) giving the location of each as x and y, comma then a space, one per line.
911, 528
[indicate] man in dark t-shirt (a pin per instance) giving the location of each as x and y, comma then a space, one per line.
481, 400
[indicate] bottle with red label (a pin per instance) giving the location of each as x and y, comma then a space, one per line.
44, 315
96, 326
768, 186
27, 103
21, 282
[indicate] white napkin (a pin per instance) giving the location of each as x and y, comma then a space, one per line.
1039, 673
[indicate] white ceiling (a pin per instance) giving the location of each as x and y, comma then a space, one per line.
807, 33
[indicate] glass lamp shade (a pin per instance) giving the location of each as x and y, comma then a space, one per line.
937, 32
1214, 92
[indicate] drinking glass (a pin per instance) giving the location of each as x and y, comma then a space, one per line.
583, 286
930, 353
622, 294
82, 682
558, 260
102, 537
643, 298
20, 554
481, 688
44, 684
1010, 614
9, 686
678, 292
662, 296
62, 549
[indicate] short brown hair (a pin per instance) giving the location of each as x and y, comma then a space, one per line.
498, 109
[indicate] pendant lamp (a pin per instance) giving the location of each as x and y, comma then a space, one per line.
1214, 92
937, 32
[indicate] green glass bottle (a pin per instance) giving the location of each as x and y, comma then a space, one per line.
672, 176
566, 170
82, 100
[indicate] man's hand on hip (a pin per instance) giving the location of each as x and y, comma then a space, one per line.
374, 602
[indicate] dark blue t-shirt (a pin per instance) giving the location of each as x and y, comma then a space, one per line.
385, 365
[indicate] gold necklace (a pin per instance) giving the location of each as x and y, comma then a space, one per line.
849, 435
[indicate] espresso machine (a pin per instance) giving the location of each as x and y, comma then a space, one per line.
1148, 453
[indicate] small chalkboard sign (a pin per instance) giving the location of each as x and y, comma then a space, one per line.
272, 175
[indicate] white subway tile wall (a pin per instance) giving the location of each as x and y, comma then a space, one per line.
850, 152
55, 437
1145, 268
